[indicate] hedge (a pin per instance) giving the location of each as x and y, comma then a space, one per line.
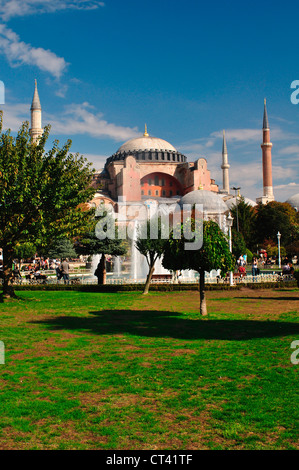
153, 288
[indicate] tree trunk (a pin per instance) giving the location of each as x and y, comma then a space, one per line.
102, 274
148, 279
202, 293
8, 289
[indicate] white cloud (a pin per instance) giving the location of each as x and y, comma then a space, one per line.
247, 136
76, 119
83, 119
192, 147
290, 150
287, 186
282, 172
98, 161
283, 192
18, 53
13, 8
14, 115
239, 135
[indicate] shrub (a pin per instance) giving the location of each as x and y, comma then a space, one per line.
249, 256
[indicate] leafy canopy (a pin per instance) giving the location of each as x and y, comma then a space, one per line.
214, 253
42, 194
150, 242
61, 248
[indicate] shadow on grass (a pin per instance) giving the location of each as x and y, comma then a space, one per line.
153, 323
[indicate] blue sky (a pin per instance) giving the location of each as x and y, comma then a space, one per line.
187, 69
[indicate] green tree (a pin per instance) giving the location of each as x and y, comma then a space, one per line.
293, 249
246, 219
61, 248
151, 248
214, 254
238, 243
42, 194
90, 244
276, 217
249, 255
24, 250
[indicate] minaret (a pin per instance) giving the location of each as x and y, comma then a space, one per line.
36, 130
225, 166
266, 146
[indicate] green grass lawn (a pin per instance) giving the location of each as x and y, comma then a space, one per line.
127, 371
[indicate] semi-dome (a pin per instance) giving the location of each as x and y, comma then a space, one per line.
148, 149
294, 201
234, 201
212, 203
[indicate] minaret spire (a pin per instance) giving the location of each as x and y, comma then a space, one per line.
225, 166
36, 130
265, 119
266, 146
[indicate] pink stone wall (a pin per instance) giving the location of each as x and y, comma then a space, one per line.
125, 176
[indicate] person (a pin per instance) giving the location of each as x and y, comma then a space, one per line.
17, 274
254, 267
242, 271
98, 273
288, 268
241, 261
58, 271
65, 268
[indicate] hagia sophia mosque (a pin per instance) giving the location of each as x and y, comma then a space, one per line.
151, 171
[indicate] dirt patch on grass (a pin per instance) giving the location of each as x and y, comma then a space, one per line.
55, 436
180, 352
245, 301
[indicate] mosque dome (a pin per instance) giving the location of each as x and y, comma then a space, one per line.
212, 203
233, 202
294, 201
146, 143
148, 149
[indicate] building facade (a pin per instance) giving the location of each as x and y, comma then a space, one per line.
151, 167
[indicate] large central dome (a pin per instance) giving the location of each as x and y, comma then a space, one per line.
146, 142
148, 149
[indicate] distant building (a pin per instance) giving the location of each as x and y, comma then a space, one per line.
148, 168
151, 167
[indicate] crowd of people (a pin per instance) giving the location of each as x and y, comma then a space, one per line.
256, 263
35, 270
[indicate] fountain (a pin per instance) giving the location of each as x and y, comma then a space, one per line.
117, 267
139, 266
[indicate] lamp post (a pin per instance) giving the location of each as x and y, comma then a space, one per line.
229, 221
279, 259
237, 203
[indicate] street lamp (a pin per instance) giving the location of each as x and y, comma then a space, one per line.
279, 259
237, 194
229, 221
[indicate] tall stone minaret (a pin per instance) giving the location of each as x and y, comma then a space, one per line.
266, 146
225, 166
36, 130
